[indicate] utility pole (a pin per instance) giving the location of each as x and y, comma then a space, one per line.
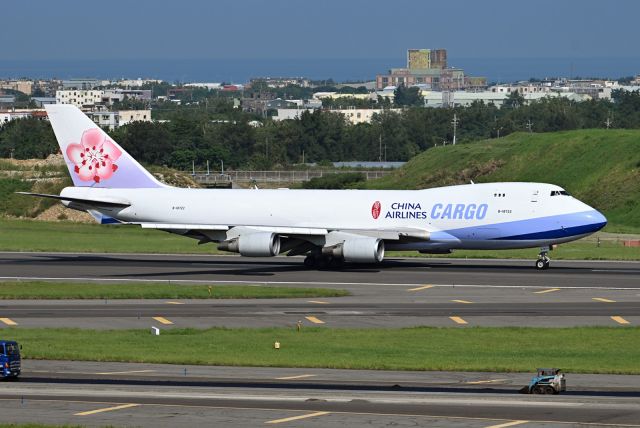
529, 126
608, 123
380, 148
454, 122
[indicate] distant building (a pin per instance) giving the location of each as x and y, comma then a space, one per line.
281, 82
7, 116
136, 83
362, 115
83, 99
428, 67
127, 116
24, 86
110, 96
114, 119
42, 101
7, 101
209, 86
83, 84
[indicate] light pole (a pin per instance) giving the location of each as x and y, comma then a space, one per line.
454, 122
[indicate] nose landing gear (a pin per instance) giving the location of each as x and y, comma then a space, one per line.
543, 259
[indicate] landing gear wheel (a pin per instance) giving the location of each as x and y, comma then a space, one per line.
543, 261
310, 261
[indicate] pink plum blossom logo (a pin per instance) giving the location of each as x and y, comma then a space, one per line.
94, 157
375, 210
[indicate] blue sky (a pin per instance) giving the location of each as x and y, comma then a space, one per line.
256, 29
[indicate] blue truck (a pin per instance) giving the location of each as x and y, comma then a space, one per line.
10, 359
546, 381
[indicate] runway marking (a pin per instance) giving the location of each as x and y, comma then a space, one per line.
466, 302
314, 320
620, 320
174, 303
319, 302
296, 418
107, 409
480, 382
8, 321
199, 406
253, 283
508, 424
302, 376
550, 290
163, 320
128, 372
458, 320
602, 299
424, 287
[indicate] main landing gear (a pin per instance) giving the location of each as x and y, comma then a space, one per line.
543, 259
319, 261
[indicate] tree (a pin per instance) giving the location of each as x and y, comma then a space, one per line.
408, 96
514, 100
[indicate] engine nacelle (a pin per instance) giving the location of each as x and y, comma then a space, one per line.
260, 244
360, 250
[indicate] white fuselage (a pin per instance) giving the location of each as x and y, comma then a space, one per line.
481, 216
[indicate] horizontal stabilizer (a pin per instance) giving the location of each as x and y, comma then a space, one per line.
109, 203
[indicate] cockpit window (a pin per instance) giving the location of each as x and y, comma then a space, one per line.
559, 192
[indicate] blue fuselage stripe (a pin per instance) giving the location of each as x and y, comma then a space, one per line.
550, 227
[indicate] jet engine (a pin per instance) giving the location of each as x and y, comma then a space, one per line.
260, 244
358, 250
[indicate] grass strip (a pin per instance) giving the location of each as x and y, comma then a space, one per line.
499, 349
30, 235
14, 290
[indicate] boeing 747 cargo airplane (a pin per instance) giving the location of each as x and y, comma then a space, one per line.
328, 226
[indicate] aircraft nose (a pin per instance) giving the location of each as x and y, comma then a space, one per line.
594, 220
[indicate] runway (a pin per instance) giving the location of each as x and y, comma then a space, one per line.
167, 395
231, 269
399, 293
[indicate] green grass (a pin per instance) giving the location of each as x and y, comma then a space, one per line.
28, 235
38, 426
61, 290
599, 166
576, 350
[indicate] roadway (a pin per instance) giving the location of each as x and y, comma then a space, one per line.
98, 394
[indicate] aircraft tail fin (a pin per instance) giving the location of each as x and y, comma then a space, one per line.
92, 157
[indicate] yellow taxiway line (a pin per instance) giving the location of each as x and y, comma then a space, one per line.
8, 321
463, 301
548, 290
174, 303
424, 287
107, 409
620, 320
602, 299
128, 372
315, 320
458, 320
296, 418
302, 376
163, 320
319, 302
508, 424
